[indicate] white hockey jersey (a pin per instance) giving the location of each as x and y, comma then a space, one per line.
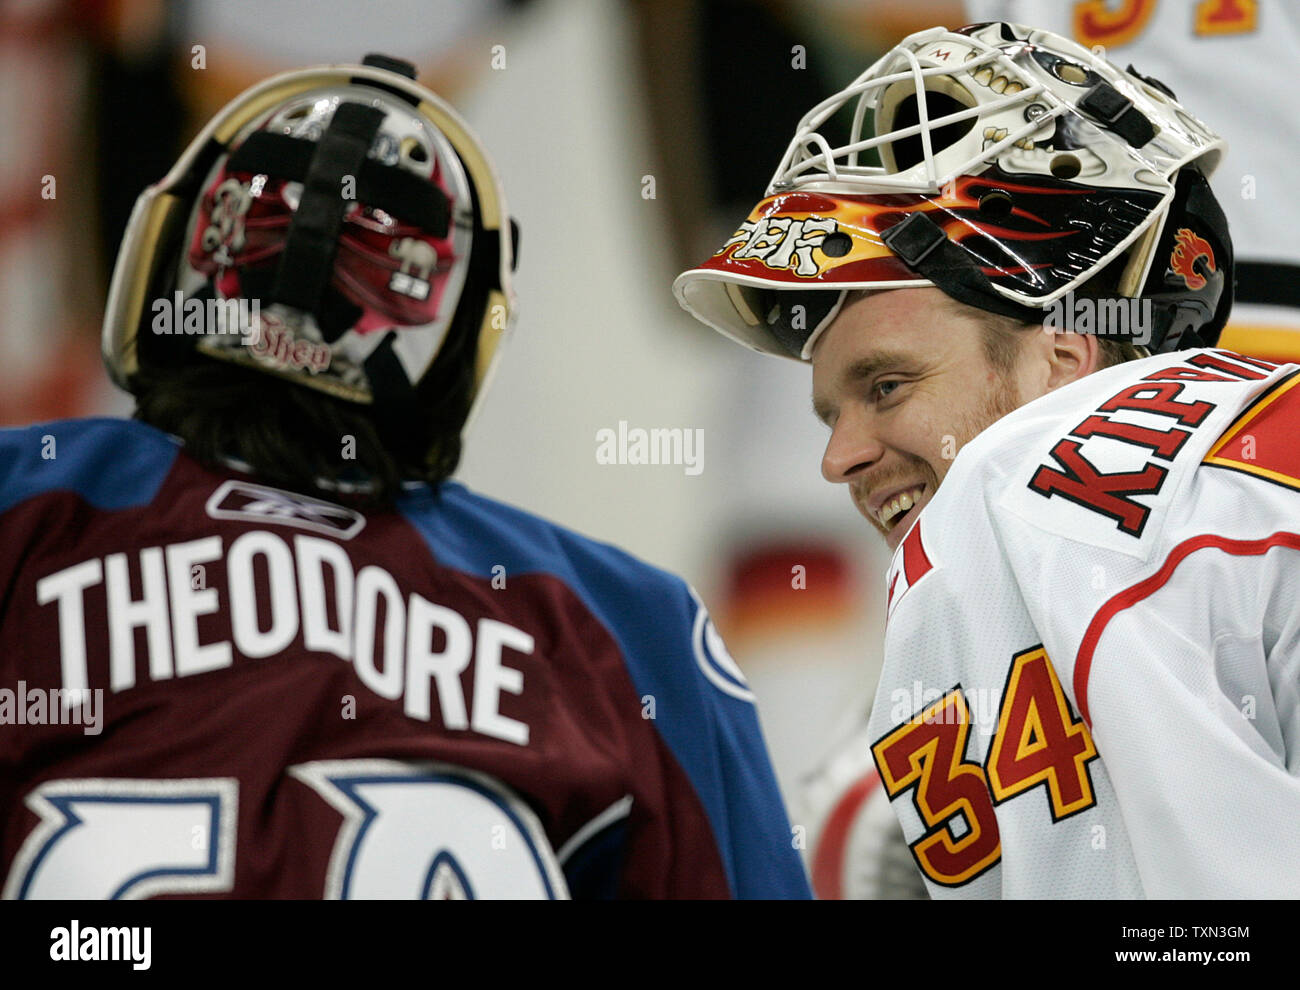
1091, 684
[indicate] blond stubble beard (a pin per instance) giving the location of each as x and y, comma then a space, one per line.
1005, 398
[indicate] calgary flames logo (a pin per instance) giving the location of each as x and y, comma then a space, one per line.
1187, 248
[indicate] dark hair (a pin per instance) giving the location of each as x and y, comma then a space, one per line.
298, 438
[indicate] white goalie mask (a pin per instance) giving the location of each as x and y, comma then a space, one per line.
1006, 165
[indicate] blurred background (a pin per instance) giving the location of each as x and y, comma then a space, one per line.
631, 139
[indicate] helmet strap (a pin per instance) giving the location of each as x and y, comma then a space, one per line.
307, 263
384, 186
1181, 320
395, 402
923, 246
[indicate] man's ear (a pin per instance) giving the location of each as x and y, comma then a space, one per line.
1071, 357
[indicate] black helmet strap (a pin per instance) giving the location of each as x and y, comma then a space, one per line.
306, 266
307, 262
923, 246
1180, 317
392, 189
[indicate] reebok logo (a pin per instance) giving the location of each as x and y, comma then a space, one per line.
259, 504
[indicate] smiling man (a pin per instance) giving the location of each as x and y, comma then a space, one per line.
1009, 297
918, 374
897, 372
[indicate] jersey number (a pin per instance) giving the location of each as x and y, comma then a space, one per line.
1097, 22
410, 831
1039, 740
928, 753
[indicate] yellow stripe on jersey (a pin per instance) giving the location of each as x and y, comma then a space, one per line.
1269, 343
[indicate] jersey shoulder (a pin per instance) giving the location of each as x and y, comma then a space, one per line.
687, 683
476, 533
1101, 461
652, 613
111, 463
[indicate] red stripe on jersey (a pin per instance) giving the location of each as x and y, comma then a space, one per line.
915, 561
1144, 589
1260, 440
828, 860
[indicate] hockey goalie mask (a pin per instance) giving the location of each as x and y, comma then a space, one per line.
1008, 166
322, 227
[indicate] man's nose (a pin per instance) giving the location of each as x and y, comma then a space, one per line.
853, 446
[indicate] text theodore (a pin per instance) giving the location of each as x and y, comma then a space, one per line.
388, 637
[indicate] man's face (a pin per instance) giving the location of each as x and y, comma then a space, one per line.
902, 380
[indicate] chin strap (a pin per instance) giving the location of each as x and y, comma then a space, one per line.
395, 406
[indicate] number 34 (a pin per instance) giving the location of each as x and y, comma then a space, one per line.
1039, 741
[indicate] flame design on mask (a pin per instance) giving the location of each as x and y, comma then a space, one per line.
1187, 248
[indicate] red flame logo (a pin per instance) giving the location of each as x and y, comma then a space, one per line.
1187, 248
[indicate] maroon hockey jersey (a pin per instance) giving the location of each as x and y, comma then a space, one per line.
213, 688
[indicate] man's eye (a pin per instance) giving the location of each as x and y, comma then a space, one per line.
885, 389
